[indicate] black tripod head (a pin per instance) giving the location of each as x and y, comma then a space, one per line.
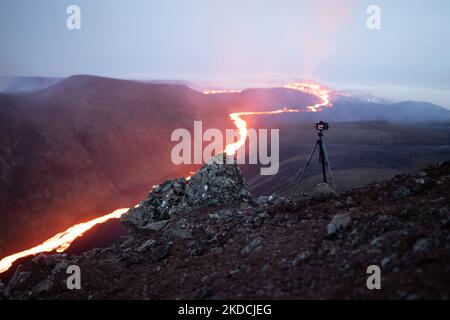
321, 126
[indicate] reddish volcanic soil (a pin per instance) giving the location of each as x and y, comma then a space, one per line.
279, 249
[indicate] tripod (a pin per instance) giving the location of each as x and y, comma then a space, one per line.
323, 160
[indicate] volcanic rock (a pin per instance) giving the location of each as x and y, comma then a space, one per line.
217, 182
163, 201
252, 246
339, 221
220, 181
322, 192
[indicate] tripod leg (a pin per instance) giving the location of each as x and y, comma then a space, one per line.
304, 169
322, 160
327, 161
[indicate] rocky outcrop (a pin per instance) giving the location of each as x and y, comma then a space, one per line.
218, 182
322, 192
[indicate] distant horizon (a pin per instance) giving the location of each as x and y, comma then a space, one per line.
393, 94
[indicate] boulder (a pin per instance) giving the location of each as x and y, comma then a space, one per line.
339, 221
218, 182
322, 192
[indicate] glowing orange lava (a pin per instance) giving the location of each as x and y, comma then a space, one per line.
309, 88
63, 240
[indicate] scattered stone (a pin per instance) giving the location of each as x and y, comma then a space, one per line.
322, 192
252, 246
339, 221
195, 248
146, 245
301, 257
60, 267
385, 261
401, 192
2, 291
203, 293
155, 226
421, 245
184, 233
220, 181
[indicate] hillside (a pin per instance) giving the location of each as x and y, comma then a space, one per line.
84, 146
234, 247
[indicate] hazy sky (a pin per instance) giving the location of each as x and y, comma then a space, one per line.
235, 42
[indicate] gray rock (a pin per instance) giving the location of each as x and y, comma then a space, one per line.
349, 201
165, 200
41, 287
337, 205
161, 252
301, 257
177, 231
252, 246
18, 278
339, 221
59, 267
2, 291
155, 226
195, 248
217, 182
322, 192
401, 192
421, 245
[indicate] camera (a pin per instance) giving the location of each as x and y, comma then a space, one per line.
321, 126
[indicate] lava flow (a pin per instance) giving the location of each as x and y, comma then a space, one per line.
61, 241
309, 88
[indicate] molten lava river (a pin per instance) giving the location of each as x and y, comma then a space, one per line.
61, 241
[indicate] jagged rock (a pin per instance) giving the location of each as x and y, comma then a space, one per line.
161, 252
195, 248
48, 259
301, 257
322, 192
163, 201
18, 278
42, 286
146, 245
339, 221
401, 192
59, 267
421, 245
265, 200
217, 182
252, 246
177, 231
2, 291
203, 293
